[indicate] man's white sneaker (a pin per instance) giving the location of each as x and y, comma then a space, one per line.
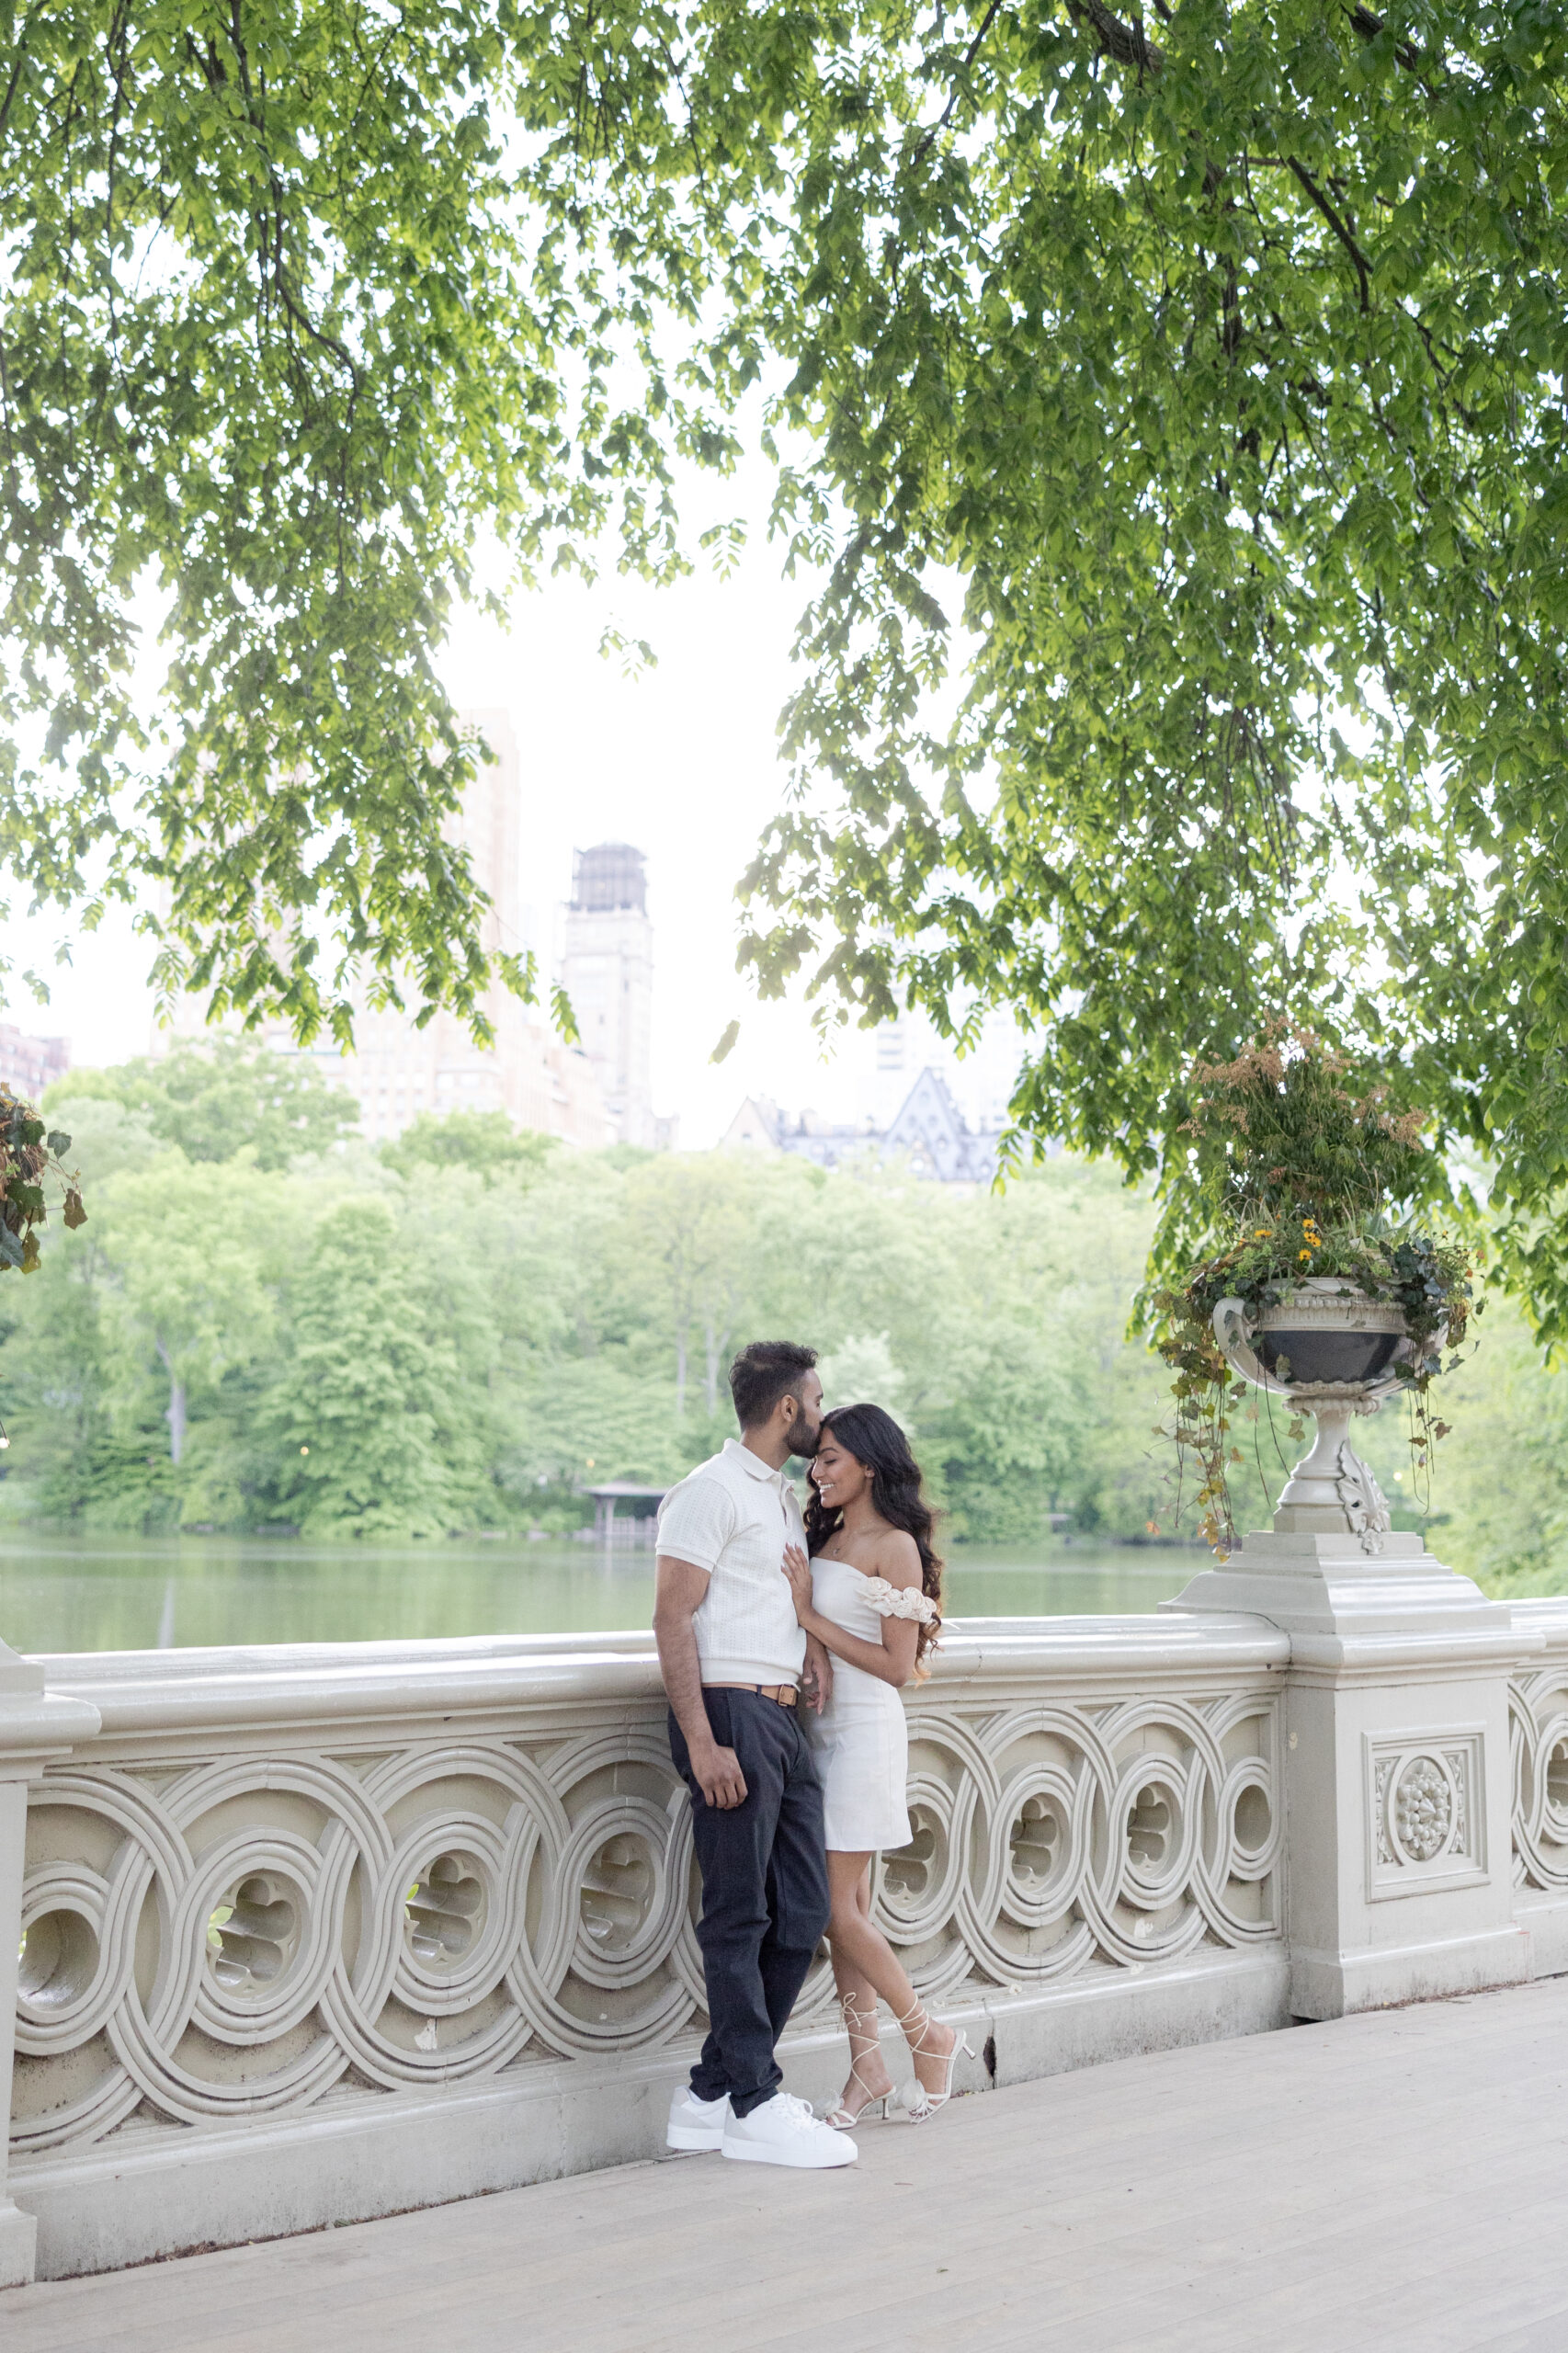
696, 2123
783, 2131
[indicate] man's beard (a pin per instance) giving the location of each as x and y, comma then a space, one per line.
802, 1446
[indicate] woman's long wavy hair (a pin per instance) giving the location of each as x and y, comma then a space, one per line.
877, 1444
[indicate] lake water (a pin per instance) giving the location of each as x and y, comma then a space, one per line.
95, 1593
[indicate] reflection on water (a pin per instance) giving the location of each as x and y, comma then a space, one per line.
130, 1593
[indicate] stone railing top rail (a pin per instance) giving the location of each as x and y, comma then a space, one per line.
1547, 1615
143, 1695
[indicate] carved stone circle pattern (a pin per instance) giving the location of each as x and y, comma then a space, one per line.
238, 1936
1538, 1742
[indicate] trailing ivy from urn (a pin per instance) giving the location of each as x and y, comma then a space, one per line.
31, 1154
1295, 1172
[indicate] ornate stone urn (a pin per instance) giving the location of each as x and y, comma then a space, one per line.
1334, 1353
1395, 1736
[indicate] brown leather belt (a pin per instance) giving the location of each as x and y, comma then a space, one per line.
784, 1693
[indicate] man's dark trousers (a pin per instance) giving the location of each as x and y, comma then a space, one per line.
764, 1891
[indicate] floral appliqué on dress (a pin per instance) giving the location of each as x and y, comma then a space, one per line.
900, 1601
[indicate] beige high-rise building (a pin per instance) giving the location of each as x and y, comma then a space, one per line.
608, 973
399, 1071
529, 1073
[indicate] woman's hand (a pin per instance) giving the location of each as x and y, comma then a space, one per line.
798, 1569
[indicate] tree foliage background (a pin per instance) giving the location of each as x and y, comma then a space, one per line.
445, 1335
1172, 408
458, 1332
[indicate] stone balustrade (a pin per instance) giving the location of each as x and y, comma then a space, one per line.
314, 1933
318, 1932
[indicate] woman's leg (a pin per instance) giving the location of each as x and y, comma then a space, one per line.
864, 1966
847, 1874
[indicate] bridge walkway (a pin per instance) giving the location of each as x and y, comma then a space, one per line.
1393, 2183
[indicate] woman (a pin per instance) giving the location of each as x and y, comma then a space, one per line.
870, 1592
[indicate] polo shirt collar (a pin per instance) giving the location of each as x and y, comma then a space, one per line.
751, 1462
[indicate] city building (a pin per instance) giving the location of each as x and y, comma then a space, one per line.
399, 1071
608, 973
879, 1066
28, 1064
927, 1133
902, 1091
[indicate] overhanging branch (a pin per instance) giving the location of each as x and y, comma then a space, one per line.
1340, 228
1129, 44
970, 54
1368, 25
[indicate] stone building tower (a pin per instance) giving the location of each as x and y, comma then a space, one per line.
608, 973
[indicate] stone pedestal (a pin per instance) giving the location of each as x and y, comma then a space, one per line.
35, 1728
1398, 1870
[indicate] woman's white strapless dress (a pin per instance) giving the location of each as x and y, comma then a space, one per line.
860, 1739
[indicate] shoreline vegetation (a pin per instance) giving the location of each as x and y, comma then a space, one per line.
268, 1325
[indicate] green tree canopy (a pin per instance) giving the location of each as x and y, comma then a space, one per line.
279, 339
1182, 395
361, 1425
484, 1140
215, 1096
462, 1354
1206, 374
190, 1251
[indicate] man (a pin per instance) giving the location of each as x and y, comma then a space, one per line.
732, 1654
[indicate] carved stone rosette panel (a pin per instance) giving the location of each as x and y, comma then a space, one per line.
1425, 1811
236, 1936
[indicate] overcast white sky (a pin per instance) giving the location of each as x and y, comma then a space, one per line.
681, 761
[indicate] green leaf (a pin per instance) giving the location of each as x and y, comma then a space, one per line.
563, 1016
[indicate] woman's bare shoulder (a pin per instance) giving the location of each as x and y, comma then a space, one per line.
896, 1557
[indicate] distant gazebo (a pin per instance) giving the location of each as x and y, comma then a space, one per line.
637, 1527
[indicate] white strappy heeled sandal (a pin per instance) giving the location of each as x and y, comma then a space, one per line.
920, 2104
862, 2023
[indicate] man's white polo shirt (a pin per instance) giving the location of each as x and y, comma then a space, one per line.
732, 1517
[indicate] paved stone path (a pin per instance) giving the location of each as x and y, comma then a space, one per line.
1388, 2184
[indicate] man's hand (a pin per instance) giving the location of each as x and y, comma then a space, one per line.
717, 1772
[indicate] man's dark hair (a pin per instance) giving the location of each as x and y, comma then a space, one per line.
765, 1371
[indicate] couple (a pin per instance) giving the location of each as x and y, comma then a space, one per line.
783, 1644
